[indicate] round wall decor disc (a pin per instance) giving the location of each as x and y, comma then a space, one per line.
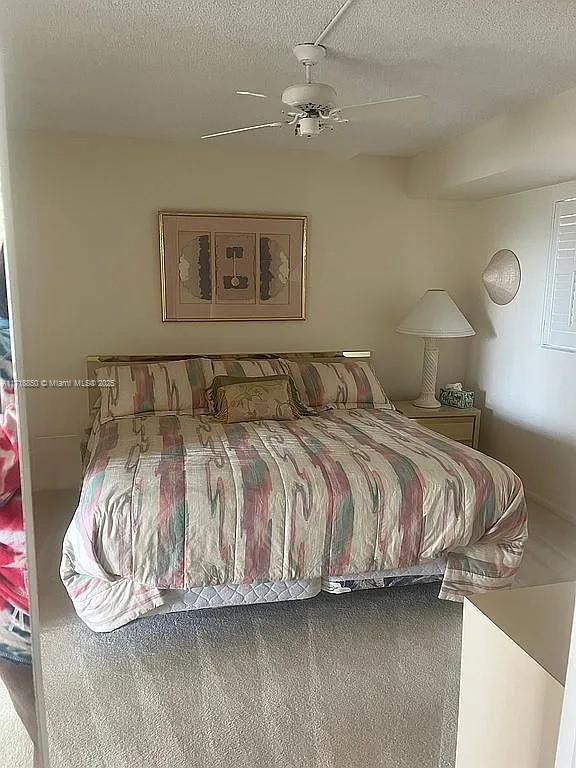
502, 276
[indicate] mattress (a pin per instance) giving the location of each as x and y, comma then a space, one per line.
224, 595
421, 573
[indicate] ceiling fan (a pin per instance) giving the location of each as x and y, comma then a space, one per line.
312, 108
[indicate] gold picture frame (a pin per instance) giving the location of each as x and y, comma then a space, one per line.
223, 267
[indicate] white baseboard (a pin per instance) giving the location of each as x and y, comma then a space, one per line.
550, 506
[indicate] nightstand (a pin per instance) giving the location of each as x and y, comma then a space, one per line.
461, 424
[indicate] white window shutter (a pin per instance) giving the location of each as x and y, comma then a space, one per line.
559, 329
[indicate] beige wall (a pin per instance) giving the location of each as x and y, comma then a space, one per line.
530, 416
86, 238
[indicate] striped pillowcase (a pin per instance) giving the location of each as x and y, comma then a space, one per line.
342, 384
174, 386
247, 368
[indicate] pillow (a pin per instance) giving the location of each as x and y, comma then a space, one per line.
174, 386
254, 398
338, 384
246, 368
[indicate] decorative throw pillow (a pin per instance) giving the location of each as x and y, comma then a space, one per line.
338, 384
241, 369
254, 398
175, 386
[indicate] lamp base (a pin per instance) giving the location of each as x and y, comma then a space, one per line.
427, 397
422, 402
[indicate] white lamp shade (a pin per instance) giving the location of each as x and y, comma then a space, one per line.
436, 316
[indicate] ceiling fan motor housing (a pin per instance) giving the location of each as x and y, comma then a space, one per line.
310, 97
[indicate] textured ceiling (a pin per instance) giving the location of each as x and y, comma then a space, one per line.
170, 68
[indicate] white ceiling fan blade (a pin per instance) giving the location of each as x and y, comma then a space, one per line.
241, 130
348, 107
252, 93
399, 110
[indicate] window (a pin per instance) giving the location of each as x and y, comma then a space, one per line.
559, 331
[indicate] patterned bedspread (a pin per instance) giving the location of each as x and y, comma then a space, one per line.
174, 502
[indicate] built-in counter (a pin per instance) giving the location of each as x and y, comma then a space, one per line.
515, 646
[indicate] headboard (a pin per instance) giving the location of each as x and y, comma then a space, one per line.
96, 361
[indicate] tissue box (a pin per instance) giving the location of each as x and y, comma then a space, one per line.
457, 398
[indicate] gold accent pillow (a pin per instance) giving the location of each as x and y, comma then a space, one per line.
254, 399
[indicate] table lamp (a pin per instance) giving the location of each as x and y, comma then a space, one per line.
434, 316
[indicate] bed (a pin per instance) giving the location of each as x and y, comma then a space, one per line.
179, 511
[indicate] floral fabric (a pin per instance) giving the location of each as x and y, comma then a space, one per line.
254, 399
15, 643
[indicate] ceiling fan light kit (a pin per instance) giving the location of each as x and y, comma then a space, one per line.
312, 108
309, 127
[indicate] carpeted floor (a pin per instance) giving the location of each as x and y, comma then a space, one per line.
363, 680
15, 744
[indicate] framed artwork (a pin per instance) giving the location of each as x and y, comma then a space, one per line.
232, 266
